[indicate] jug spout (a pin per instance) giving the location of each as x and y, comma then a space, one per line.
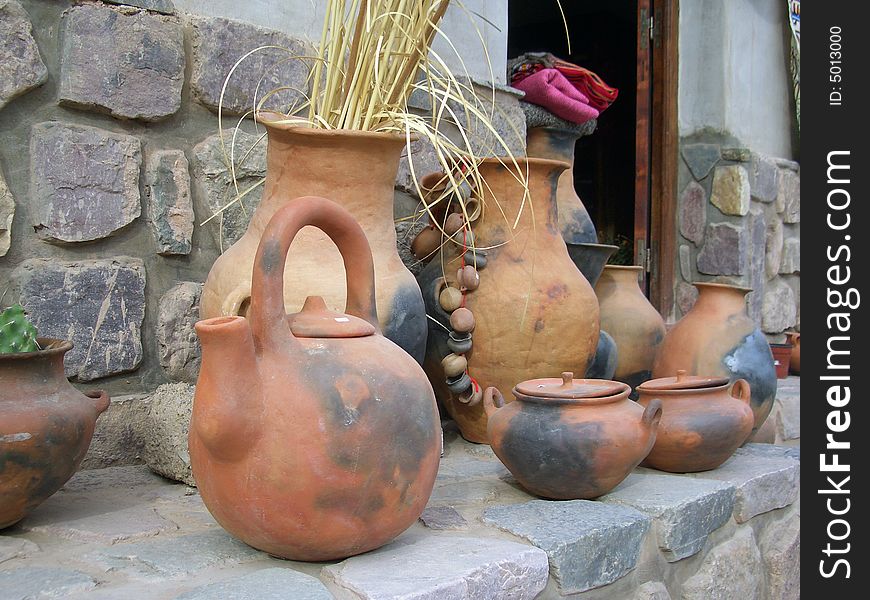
228, 400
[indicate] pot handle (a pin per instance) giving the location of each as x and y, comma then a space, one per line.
652, 414
102, 399
492, 401
267, 285
742, 389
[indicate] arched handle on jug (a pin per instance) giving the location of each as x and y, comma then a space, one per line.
102, 400
741, 390
267, 286
492, 400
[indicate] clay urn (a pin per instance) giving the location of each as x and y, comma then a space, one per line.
570, 438
794, 338
313, 436
704, 420
46, 426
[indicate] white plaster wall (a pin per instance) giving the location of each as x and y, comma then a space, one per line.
465, 23
734, 72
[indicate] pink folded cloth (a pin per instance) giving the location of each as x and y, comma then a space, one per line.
550, 89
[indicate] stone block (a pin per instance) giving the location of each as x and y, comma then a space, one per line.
693, 213
684, 510
416, 567
98, 305
770, 451
737, 154
788, 420
686, 295
791, 257
170, 208
724, 251
21, 66
165, 450
44, 582
788, 200
443, 517
108, 528
773, 249
731, 570
652, 590
686, 263
421, 161
589, 544
780, 545
165, 7
506, 118
406, 231
276, 583
779, 308
763, 179
129, 65
700, 158
214, 180
84, 181
178, 345
14, 547
119, 434
731, 190
755, 260
763, 483
218, 43
7, 213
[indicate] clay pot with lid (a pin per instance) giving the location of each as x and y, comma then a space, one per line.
704, 420
313, 436
46, 426
570, 438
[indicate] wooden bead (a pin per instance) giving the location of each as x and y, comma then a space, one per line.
462, 320
426, 243
468, 278
454, 365
450, 299
453, 223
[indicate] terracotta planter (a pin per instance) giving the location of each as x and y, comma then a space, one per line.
718, 339
535, 312
781, 359
558, 144
704, 420
313, 437
636, 327
46, 427
794, 366
570, 438
355, 169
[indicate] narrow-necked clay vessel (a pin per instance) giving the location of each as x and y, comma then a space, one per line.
704, 420
794, 339
46, 427
636, 327
313, 436
718, 339
591, 258
570, 438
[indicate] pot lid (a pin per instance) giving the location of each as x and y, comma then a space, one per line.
682, 382
568, 387
317, 321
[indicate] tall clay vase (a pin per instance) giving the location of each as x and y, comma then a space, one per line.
358, 171
717, 338
636, 327
558, 144
46, 427
313, 437
536, 315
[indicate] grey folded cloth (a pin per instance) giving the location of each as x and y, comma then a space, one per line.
538, 116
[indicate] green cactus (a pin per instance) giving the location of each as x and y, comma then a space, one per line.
17, 333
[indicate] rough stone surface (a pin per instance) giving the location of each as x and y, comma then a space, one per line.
170, 207
686, 262
7, 213
779, 311
414, 567
165, 7
180, 351
84, 181
110, 527
731, 570
774, 249
589, 544
684, 510
218, 43
507, 119
788, 418
119, 434
165, 450
737, 154
791, 257
687, 295
724, 250
731, 190
693, 215
43, 582
266, 584
780, 546
652, 590
770, 451
406, 231
764, 179
763, 483
700, 158
99, 305
13, 547
443, 517
755, 261
214, 180
423, 159
788, 199
175, 556
21, 66
129, 65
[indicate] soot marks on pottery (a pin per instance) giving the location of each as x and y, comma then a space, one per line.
557, 291
272, 258
751, 360
350, 502
716, 436
603, 364
407, 325
577, 228
539, 326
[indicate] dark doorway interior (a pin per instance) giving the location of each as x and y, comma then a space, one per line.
603, 40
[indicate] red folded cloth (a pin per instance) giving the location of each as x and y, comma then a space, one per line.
550, 89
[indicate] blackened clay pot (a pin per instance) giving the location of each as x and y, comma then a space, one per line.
718, 339
591, 259
570, 438
46, 427
313, 437
704, 420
